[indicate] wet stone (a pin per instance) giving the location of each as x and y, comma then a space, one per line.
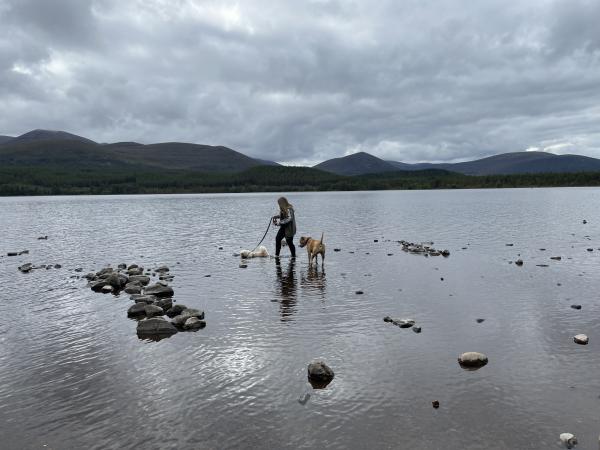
472, 360
319, 374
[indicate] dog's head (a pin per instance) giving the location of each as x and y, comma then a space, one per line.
303, 241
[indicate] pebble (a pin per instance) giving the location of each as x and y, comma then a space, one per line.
519, 262
480, 320
556, 258
416, 329
581, 339
359, 292
435, 404
576, 306
243, 266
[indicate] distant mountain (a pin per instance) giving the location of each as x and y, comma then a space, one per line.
61, 149
46, 135
4, 139
506, 163
356, 164
177, 155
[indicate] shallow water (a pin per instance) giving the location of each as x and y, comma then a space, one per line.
73, 373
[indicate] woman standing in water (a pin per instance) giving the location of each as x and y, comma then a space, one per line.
287, 226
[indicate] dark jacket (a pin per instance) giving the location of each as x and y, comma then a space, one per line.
288, 222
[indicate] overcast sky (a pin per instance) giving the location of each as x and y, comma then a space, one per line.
304, 81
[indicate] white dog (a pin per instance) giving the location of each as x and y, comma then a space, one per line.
260, 252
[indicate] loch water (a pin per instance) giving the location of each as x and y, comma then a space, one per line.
73, 373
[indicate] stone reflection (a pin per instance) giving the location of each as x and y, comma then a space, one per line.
286, 282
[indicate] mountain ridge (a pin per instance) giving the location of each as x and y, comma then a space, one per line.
39, 148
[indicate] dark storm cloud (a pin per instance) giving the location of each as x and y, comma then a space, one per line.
305, 81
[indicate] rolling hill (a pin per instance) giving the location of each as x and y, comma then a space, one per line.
4, 139
357, 164
503, 164
41, 148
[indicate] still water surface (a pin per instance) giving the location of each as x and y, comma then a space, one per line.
73, 373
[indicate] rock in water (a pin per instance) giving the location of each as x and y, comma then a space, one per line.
133, 288
107, 289
581, 339
175, 310
319, 374
193, 323
576, 306
159, 290
402, 323
153, 310
472, 360
568, 440
137, 310
519, 262
155, 328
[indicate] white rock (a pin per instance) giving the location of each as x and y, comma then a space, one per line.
472, 359
581, 339
568, 440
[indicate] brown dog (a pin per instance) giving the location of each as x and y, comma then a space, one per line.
314, 248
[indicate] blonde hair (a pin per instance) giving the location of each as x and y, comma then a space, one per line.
284, 205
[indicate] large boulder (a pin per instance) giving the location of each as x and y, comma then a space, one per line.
155, 328
472, 360
159, 290
319, 374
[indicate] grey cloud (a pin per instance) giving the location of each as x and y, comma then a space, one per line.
306, 81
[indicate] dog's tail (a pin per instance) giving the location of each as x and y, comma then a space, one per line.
322, 234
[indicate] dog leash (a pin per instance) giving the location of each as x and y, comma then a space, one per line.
264, 236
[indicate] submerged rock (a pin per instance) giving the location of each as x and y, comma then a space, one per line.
581, 339
556, 258
519, 262
26, 267
576, 306
416, 329
155, 328
319, 374
402, 323
435, 404
472, 360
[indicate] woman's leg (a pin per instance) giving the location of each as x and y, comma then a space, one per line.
278, 239
290, 243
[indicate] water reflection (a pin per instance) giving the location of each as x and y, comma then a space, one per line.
314, 279
286, 282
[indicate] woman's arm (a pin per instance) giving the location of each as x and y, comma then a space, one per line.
288, 219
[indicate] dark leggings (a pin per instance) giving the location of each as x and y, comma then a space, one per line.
290, 242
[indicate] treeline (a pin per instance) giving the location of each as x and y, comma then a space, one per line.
46, 181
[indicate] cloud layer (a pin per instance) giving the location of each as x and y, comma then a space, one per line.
303, 81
